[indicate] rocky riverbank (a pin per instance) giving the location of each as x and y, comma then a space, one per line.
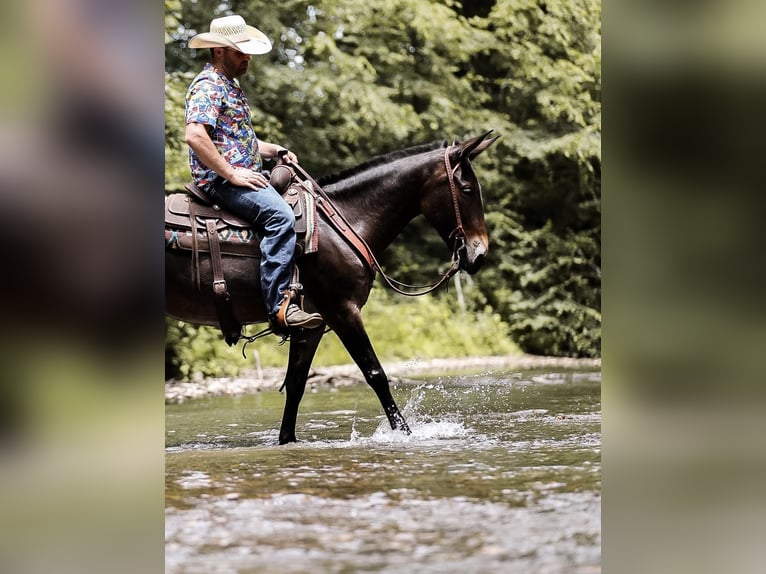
253, 381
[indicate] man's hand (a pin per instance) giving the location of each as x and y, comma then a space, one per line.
248, 178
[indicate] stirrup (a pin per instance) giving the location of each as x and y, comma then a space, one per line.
281, 324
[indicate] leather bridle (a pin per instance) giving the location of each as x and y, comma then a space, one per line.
458, 233
459, 238
366, 253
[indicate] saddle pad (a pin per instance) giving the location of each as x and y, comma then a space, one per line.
241, 242
235, 235
300, 199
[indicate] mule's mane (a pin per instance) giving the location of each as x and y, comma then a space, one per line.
381, 160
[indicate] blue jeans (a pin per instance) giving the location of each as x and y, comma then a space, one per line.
274, 221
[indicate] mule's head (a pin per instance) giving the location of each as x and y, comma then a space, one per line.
454, 205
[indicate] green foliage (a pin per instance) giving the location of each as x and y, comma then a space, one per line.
545, 63
544, 273
198, 350
432, 327
559, 312
400, 329
351, 79
176, 151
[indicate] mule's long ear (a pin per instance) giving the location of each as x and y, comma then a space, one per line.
482, 146
475, 146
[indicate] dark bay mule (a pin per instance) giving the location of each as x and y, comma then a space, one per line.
378, 198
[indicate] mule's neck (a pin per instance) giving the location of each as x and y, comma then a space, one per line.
380, 202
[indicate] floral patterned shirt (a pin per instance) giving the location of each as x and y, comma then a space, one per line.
214, 100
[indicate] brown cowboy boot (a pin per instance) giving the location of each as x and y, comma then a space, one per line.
291, 316
296, 318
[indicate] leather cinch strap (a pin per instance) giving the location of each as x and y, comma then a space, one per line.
219, 283
230, 327
195, 246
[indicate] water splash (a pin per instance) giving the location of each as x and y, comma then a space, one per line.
421, 431
415, 402
423, 425
355, 434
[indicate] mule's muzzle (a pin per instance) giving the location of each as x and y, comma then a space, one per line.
472, 255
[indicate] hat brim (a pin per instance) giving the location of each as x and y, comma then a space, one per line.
256, 43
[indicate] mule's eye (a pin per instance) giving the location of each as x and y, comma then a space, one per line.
466, 188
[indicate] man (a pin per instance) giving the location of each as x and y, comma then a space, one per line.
225, 158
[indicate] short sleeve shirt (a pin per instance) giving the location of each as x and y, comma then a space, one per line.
216, 101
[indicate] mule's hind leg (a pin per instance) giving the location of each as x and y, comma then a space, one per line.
350, 329
303, 346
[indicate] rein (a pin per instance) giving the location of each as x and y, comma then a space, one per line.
369, 257
458, 233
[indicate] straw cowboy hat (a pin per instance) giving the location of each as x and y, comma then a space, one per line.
232, 32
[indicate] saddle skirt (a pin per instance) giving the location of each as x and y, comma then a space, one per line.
188, 215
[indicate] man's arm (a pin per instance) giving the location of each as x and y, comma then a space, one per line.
270, 150
198, 139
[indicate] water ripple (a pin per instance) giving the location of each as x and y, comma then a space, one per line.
292, 533
500, 474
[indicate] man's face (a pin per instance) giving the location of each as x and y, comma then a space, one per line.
234, 62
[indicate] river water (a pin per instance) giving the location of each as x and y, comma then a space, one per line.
502, 473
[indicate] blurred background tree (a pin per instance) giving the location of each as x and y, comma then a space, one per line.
351, 79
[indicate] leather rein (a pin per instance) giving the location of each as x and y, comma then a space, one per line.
341, 224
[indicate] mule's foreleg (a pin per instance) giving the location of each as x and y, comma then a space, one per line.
303, 346
379, 383
354, 337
